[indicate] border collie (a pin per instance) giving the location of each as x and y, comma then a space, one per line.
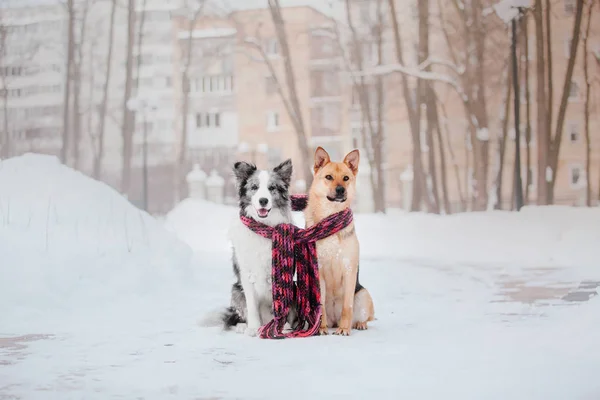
263, 196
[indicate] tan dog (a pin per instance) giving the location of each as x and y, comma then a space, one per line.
346, 303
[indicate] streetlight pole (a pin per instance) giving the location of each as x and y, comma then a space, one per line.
518, 183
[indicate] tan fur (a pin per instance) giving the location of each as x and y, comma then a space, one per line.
338, 254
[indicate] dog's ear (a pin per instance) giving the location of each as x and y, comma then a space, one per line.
242, 170
321, 159
351, 160
284, 170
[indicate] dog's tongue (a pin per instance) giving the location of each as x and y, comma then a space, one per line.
263, 212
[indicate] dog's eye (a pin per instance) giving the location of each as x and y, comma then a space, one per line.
329, 177
271, 188
254, 187
346, 178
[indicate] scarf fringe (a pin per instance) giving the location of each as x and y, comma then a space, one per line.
274, 328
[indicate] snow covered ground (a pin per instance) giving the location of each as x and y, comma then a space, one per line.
98, 300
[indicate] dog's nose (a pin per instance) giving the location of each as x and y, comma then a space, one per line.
340, 190
263, 201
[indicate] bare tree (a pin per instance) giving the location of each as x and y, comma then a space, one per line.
67, 127
371, 99
99, 154
586, 107
287, 91
413, 117
543, 139
525, 58
566, 90
502, 136
5, 145
197, 11
128, 115
294, 109
78, 64
453, 160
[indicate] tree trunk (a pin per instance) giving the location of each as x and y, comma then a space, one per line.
105, 95
377, 135
586, 108
5, 144
529, 178
413, 117
427, 97
564, 102
66, 135
128, 116
371, 133
297, 117
444, 172
481, 144
550, 73
5, 149
517, 182
453, 158
543, 137
502, 141
185, 106
77, 89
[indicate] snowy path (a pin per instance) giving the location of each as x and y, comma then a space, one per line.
440, 333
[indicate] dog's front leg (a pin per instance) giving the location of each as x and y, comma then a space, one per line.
253, 314
348, 285
323, 328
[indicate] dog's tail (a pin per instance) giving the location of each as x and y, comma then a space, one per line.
227, 318
231, 318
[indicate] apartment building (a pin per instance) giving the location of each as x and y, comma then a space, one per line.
206, 91
265, 125
31, 76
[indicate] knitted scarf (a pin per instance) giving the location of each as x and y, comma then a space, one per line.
294, 250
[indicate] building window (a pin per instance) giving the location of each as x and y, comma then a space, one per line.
531, 178
576, 175
274, 157
568, 42
423, 140
574, 91
356, 132
270, 84
272, 120
272, 47
208, 120
573, 132
569, 7
214, 84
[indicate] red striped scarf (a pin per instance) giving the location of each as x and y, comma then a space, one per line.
294, 250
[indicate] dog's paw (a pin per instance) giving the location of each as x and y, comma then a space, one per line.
361, 326
323, 331
241, 327
342, 332
249, 331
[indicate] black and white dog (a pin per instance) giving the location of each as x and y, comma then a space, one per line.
263, 196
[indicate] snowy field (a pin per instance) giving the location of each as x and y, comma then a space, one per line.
98, 300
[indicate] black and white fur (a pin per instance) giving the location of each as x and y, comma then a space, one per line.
263, 196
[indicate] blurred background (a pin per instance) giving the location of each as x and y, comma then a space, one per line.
456, 105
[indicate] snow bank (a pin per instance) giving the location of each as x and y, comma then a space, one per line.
65, 237
537, 237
